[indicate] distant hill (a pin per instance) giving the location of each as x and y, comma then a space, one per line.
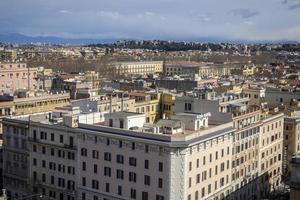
24, 39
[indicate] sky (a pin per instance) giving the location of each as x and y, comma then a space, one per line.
153, 19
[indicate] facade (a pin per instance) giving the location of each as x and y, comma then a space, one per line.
40, 103
295, 182
17, 76
53, 161
148, 103
270, 157
168, 104
106, 104
280, 96
16, 163
138, 68
184, 84
291, 140
101, 162
257, 142
256, 95
201, 69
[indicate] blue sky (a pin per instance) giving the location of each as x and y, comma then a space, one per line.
153, 19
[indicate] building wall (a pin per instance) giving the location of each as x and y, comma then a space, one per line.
53, 160
16, 165
208, 169
256, 96
138, 68
17, 76
270, 153
168, 104
291, 141
43, 103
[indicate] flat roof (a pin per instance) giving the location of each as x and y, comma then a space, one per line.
124, 114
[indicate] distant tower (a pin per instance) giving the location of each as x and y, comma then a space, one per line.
295, 178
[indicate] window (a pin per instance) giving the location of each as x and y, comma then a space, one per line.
159, 197
106, 187
111, 123
95, 184
95, 168
83, 166
160, 182
52, 136
120, 159
120, 174
198, 178
144, 195
147, 180
95, 154
107, 156
132, 146
83, 152
34, 162
61, 138
160, 166
34, 148
146, 164
119, 190
83, 182
132, 177
107, 171
132, 161
203, 192
188, 106
132, 193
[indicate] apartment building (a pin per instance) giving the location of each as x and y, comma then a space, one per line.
138, 68
6, 109
173, 159
270, 149
52, 160
106, 103
201, 69
291, 142
255, 94
282, 96
17, 76
16, 165
257, 142
148, 103
168, 104
245, 169
40, 102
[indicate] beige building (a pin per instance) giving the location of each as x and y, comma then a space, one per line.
255, 94
100, 162
17, 76
40, 102
270, 153
201, 69
138, 68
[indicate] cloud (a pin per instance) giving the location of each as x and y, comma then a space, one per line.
65, 11
155, 19
249, 22
295, 6
244, 13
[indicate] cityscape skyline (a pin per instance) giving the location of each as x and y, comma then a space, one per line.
166, 20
